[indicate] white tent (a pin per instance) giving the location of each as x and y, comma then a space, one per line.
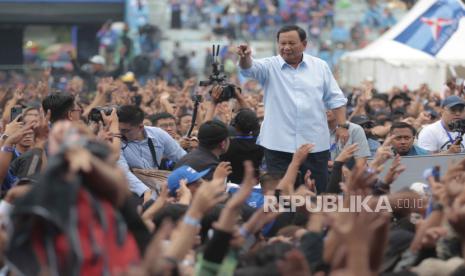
392, 63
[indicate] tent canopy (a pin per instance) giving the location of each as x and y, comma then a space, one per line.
392, 63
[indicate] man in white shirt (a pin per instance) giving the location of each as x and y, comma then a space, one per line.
439, 137
299, 88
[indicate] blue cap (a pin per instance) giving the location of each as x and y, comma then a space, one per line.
452, 101
183, 172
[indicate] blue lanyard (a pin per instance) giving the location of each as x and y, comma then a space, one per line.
244, 137
333, 147
448, 134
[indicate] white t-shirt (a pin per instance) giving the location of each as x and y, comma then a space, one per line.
435, 138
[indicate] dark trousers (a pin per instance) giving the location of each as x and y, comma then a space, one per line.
317, 163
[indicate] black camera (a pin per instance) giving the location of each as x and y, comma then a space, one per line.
96, 116
218, 77
457, 126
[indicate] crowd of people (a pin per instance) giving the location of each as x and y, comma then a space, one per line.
110, 176
242, 20
234, 21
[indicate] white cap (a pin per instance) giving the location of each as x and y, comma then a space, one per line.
419, 188
97, 59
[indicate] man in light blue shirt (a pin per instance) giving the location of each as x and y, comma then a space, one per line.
299, 89
136, 152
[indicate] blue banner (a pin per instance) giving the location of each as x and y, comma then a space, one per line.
432, 29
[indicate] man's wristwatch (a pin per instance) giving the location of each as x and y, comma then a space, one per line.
344, 125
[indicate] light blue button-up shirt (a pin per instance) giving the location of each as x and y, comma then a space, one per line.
296, 100
137, 155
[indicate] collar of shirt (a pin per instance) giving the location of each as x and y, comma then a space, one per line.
284, 64
147, 135
416, 150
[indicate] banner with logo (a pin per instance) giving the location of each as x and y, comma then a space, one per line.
432, 29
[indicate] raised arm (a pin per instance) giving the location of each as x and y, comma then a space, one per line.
245, 56
286, 185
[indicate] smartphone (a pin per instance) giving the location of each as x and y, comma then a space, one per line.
15, 112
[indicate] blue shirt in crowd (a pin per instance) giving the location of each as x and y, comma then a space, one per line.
340, 34
416, 150
10, 178
296, 100
136, 154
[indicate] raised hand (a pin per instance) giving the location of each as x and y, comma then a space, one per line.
259, 219
358, 231
111, 119
14, 126
301, 154
227, 220
383, 153
394, 171
18, 134
183, 194
207, 196
18, 94
309, 187
106, 86
361, 180
347, 153
41, 128
186, 143
244, 51
216, 93
222, 170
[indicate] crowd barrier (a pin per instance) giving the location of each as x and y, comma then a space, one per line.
416, 165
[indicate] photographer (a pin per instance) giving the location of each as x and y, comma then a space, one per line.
217, 98
143, 147
246, 126
439, 137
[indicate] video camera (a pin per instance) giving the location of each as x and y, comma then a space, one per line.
458, 126
96, 116
218, 77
